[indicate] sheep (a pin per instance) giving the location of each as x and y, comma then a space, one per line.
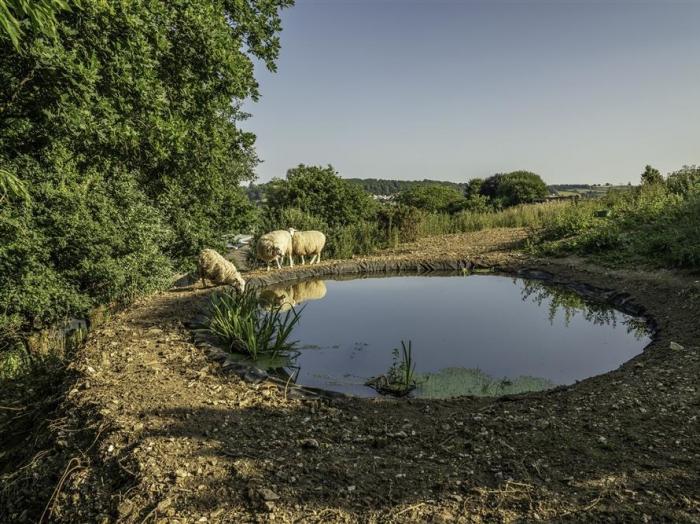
275, 245
212, 266
307, 243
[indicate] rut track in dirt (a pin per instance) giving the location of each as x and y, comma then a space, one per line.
152, 430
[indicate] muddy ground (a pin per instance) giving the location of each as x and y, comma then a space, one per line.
151, 430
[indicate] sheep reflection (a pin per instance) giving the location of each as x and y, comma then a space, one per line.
291, 296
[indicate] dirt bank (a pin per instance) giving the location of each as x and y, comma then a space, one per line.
152, 430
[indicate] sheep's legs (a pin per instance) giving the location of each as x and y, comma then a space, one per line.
318, 257
303, 262
268, 266
291, 260
278, 263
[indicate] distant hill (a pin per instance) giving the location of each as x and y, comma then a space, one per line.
378, 186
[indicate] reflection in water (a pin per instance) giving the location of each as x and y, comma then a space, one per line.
292, 296
570, 304
472, 335
452, 382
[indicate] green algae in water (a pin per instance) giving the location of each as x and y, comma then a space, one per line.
452, 382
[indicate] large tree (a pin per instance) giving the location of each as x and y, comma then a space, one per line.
124, 127
516, 187
431, 197
320, 192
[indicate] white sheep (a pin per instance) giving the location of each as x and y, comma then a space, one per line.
273, 246
212, 266
307, 243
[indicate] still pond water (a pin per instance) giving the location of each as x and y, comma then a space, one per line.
471, 335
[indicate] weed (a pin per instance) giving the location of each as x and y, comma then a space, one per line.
400, 380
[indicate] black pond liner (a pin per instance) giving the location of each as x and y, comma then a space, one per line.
623, 302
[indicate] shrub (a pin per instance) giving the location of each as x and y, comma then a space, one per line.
517, 187
655, 224
685, 180
431, 198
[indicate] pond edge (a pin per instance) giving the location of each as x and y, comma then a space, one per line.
622, 301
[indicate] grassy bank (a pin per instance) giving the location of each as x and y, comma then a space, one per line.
654, 225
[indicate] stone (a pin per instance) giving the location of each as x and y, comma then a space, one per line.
268, 495
310, 443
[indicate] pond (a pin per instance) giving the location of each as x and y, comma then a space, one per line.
470, 335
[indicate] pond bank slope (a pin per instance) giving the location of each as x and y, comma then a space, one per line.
152, 430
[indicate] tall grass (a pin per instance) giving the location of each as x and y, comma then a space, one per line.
652, 225
526, 215
239, 322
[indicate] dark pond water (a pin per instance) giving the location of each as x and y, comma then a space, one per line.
471, 335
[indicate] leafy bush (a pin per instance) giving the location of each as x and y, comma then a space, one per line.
655, 224
685, 180
320, 192
510, 189
120, 148
431, 198
400, 223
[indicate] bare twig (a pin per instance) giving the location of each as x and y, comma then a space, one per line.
57, 489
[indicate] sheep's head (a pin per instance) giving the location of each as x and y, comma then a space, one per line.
239, 284
292, 231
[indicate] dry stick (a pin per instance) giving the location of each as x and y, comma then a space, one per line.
58, 487
285, 387
409, 508
10, 408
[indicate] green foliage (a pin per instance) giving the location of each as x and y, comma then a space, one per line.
120, 145
474, 187
40, 15
651, 225
320, 192
238, 321
399, 380
80, 243
399, 223
11, 187
431, 198
685, 180
403, 368
651, 176
510, 189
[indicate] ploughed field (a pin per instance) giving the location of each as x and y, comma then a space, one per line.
151, 429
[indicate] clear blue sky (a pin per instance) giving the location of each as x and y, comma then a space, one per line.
585, 92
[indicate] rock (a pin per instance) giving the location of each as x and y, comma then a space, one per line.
164, 504
310, 443
268, 495
675, 346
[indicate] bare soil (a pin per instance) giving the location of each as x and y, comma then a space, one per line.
149, 429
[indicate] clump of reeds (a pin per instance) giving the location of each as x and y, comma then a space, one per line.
400, 380
239, 322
